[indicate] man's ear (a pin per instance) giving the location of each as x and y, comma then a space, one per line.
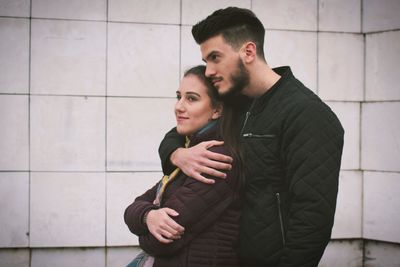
217, 112
249, 52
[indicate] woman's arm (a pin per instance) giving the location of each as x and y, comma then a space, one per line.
198, 205
135, 212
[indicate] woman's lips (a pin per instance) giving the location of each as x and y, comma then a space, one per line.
181, 118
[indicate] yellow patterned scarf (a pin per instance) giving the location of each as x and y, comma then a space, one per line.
167, 179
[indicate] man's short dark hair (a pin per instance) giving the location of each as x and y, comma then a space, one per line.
236, 25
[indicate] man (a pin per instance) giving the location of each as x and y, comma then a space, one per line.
293, 144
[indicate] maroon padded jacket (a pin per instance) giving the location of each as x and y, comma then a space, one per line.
209, 213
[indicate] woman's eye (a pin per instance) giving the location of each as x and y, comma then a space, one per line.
178, 97
191, 98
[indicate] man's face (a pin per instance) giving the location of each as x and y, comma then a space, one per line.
224, 66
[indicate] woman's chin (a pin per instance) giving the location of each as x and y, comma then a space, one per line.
183, 131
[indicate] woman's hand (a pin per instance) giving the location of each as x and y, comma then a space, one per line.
162, 226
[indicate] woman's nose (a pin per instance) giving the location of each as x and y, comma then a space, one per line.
179, 106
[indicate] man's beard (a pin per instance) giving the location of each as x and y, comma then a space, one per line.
239, 80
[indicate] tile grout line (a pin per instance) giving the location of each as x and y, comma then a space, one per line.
105, 137
29, 133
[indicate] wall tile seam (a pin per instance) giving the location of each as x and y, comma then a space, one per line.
104, 21
77, 171
380, 171
16, 94
15, 17
380, 101
382, 31
30, 248
95, 96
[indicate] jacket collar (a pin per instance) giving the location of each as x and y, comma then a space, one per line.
259, 103
208, 132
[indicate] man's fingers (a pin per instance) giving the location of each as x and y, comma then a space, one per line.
213, 172
218, 157
211, 143
202, 179
217, 165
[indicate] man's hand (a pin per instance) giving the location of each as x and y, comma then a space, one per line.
162, 226
197, 160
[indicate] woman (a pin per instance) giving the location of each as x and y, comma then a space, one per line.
197, 224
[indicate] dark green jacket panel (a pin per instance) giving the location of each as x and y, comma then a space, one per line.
293, 147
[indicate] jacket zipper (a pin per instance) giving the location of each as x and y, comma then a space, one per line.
249, 135
247, 116
278, 198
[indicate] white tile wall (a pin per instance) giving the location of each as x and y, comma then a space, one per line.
382, 254
14, 209
349, 116
122, 189
340, 15
295, 49
149, 11
67, 133
14, 257
190, 50
67, 209
380, 139
382, 71
339, 77
349, 206
15, 8
121, 256
68, 257
14, 122
287, 14
135, 128
381, 15
381, 206
143, 60
70, 50
70, 9
14, 55
195, 11
343, 254
68, 57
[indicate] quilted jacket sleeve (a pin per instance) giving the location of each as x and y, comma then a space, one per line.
312, 147
134, 213
172, 141
198, 205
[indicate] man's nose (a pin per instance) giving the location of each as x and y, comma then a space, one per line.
210, 71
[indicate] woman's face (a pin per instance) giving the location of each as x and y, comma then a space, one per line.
193, 108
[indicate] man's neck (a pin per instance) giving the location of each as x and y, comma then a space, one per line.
262, 78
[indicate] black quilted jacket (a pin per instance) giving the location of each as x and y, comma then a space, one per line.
293, 147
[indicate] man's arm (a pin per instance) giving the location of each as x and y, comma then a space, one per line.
196, 161
312, 145
172, 141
